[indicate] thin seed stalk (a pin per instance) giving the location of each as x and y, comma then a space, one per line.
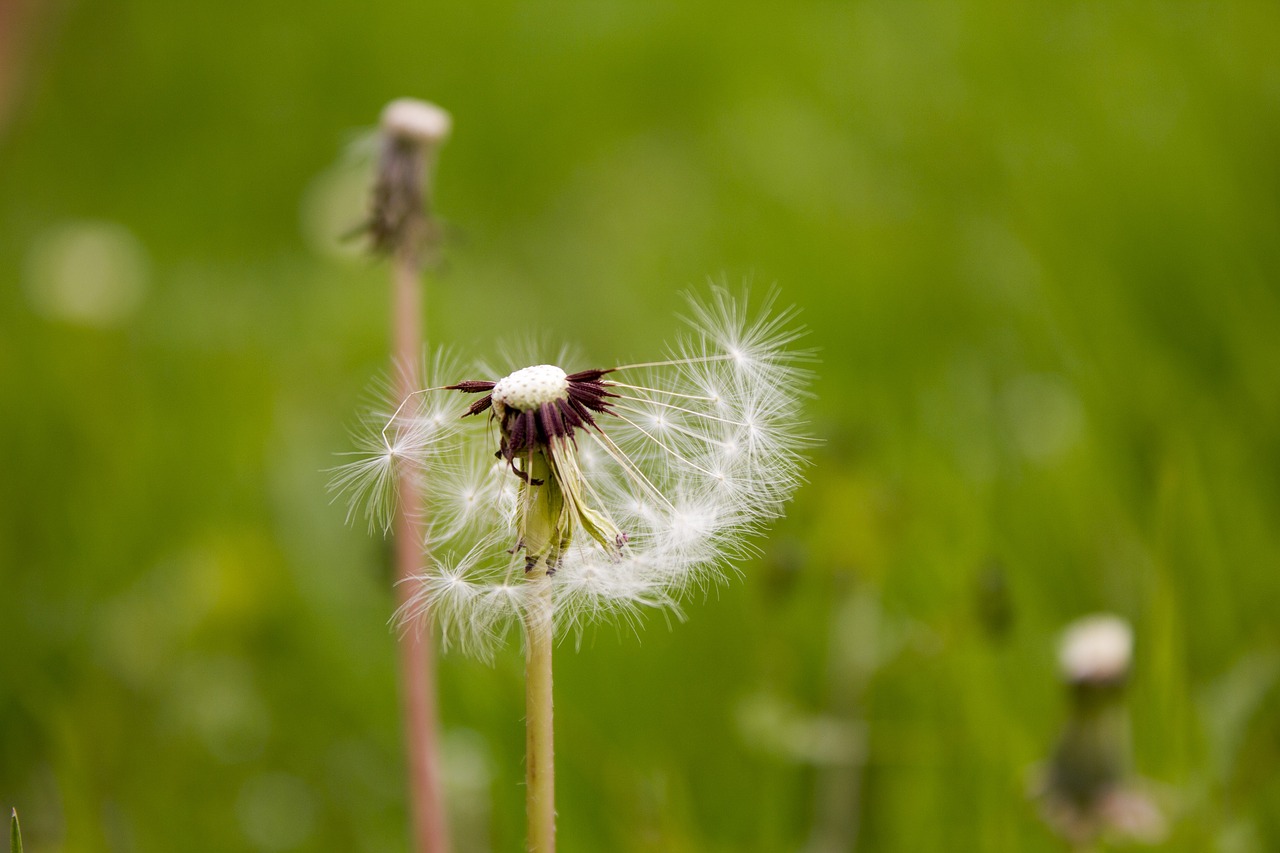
544, 539
540, 765
417, 655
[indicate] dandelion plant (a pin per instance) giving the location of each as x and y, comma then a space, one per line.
1088, 790
401, 226
553, 498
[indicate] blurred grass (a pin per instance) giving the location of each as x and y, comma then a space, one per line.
1038, 249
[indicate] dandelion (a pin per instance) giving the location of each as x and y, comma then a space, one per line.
402, 226
553, 499
400, 219
627, 485
1087, 789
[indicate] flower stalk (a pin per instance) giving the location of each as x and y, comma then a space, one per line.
402, 226
540, 763
543, 535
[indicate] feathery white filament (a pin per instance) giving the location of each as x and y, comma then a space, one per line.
699, 450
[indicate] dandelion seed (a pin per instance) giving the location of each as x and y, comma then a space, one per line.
626, 485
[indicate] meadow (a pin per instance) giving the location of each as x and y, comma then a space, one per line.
1037, 252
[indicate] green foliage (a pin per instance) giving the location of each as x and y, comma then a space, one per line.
15, 834
1037, 247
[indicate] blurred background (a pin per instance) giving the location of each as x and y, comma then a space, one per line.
1038, 249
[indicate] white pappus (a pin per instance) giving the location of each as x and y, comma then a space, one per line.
622, 487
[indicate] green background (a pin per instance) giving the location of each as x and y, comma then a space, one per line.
1038, 249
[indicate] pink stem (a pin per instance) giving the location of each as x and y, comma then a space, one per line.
417, 654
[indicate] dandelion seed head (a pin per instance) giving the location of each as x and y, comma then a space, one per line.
650, 477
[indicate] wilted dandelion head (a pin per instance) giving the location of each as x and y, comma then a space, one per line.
619, 487
410, 134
